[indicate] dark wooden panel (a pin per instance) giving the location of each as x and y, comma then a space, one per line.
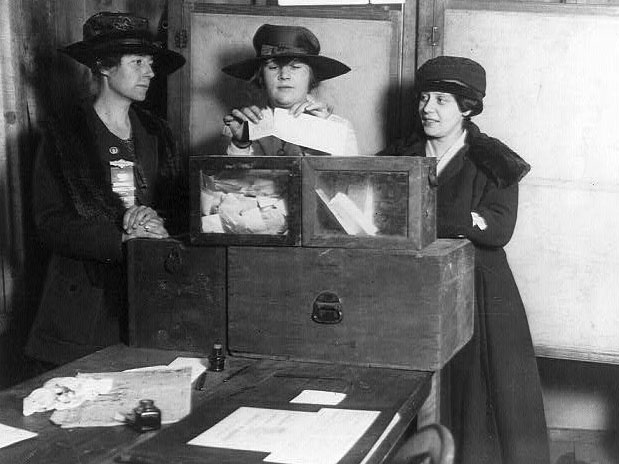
177, 295
400, 308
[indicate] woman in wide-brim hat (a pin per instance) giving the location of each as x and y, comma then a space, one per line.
497, 413
107, 172
288, 66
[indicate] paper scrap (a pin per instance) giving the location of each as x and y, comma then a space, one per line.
303, 130
64, 393
10, 435
321, 2
319, 397
197, 365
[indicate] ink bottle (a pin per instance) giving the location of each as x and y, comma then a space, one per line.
147, 416
217, 358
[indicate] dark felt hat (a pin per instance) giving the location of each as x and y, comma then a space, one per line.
107, 33
453, 74
287, 42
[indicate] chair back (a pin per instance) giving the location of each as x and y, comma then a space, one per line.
432, 444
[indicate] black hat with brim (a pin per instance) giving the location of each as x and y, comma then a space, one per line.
287, 42
108, 34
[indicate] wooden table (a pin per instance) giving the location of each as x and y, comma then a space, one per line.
244, 382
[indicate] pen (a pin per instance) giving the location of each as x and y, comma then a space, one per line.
130, 458
200, 381
236, 373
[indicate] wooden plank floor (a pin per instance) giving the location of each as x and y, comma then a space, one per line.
571, 446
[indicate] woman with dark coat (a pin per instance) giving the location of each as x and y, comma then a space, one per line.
107, 172
496, 402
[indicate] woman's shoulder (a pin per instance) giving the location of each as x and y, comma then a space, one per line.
412, 145
497, 160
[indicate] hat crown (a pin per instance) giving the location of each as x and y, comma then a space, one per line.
271, 40
463, 71
108, 25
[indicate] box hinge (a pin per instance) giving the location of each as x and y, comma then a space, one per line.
434, 37
180, 39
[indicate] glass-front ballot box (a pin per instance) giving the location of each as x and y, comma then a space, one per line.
355, 202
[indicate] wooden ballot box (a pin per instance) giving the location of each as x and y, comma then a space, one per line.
392, 308
330, 259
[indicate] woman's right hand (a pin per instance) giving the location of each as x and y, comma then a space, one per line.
237, 117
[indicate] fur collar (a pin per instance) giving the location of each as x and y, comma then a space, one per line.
490, 155
74, 156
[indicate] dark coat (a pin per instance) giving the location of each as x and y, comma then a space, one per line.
496, 402
79, 218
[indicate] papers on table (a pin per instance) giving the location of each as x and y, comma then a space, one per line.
10, 435
303, 130
103, 399
291, 437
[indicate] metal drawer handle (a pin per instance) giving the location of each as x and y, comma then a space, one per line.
327, 309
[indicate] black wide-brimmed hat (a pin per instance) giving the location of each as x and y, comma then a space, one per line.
453, 74
272, 41
107, 33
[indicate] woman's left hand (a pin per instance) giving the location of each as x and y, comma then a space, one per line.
313, 107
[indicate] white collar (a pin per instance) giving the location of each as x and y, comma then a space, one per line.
446, 157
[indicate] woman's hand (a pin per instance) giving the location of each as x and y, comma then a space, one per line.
143, 221
237, 117
313, 107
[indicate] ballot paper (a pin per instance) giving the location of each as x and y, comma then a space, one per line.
10, 435
303, 130
290, 437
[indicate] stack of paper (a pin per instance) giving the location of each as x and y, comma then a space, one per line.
347, 214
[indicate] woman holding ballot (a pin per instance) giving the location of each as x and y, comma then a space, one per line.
287, 67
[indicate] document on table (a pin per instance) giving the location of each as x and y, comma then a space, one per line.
291, 437
10, 435
303, 130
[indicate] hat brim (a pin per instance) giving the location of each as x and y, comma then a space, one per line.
323, 67
165, 61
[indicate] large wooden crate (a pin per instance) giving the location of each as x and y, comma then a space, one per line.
177, 295
397, 308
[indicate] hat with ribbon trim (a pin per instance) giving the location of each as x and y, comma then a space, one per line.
453, 74
272, 41
108, 33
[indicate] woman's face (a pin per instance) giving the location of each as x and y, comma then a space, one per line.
131, 78
440, 115
286, 83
